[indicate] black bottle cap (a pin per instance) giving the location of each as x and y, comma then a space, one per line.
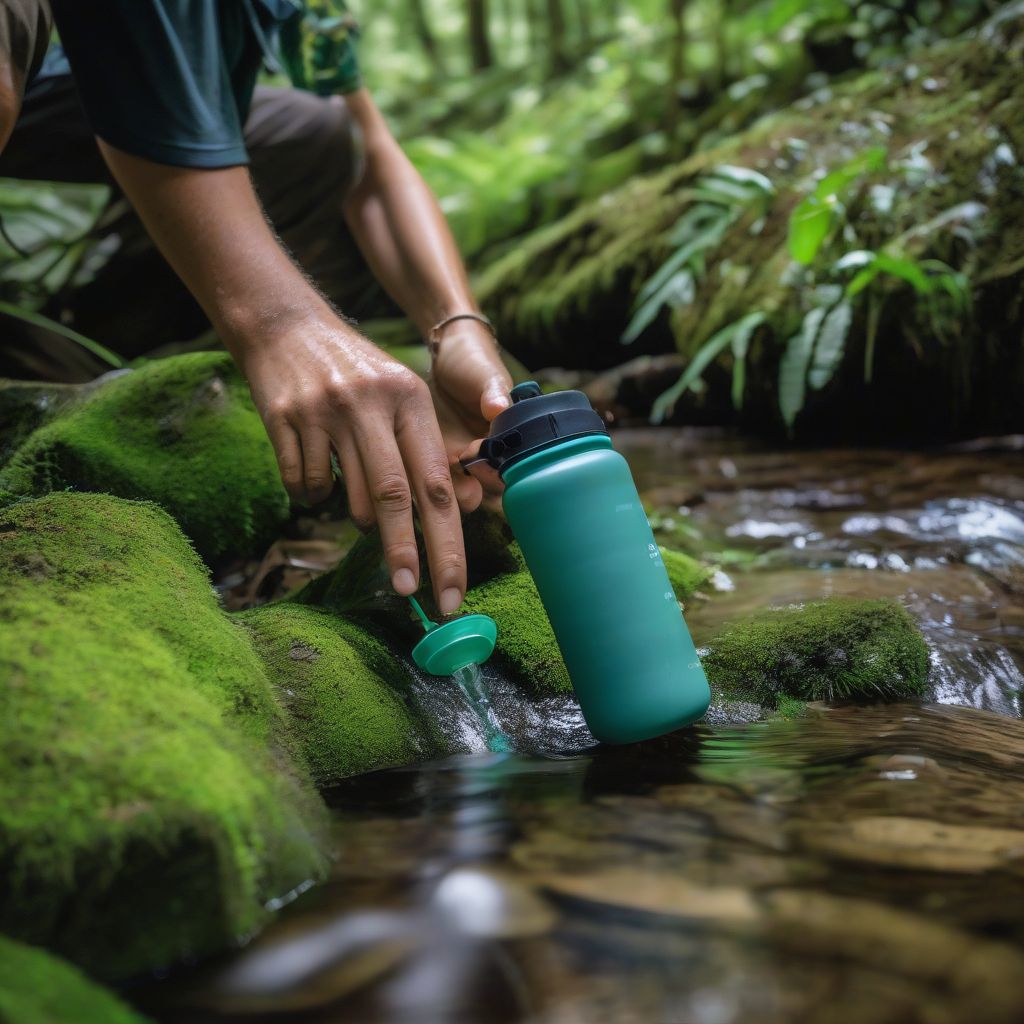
536, 421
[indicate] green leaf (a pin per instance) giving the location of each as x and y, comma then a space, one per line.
793, 367
716, 344
830, 345
837, 183
38, 320
676, 291
744, 331
744, 176
809, 225
905, 268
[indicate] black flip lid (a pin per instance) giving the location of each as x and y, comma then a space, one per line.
535, 421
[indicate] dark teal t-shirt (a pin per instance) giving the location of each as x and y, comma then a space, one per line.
171, 80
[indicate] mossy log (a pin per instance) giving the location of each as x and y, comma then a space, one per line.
182, 432
38, 988
951, 121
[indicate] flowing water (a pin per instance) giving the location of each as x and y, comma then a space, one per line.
858, 864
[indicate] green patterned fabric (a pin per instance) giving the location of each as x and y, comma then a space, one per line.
320, 49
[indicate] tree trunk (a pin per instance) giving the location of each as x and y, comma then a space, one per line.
583, 24
425, 35
479, 43
558, 61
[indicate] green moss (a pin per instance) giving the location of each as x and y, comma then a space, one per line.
839, 649
686, 574
526, 646
148, 808
37, 988
789, 707
345, 692
181, 432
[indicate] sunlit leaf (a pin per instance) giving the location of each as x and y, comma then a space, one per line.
808, 228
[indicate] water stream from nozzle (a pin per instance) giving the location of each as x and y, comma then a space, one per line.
457, 640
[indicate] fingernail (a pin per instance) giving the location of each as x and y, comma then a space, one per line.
403, 581
450, 600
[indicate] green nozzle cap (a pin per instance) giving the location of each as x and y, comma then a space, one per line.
465, 641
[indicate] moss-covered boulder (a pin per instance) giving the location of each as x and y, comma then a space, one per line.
949, 124
37, 988
346, 693
182, 432
149, 803
839, 649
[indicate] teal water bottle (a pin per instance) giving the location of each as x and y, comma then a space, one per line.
574, 509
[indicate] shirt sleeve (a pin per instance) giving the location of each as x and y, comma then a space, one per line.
168, 80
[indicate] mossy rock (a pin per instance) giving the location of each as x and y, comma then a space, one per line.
839, 649
37, 988
951, 123
527, 647
149, 807
347, 695
182, 432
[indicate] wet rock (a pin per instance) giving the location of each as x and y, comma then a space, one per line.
828, 650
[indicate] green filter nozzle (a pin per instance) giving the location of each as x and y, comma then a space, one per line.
468, 640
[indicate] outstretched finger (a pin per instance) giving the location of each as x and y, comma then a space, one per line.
391, 498
419, 438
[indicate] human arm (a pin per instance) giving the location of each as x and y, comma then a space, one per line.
406, 240
318, 384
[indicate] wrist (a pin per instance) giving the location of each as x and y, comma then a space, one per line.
458, 327
251, 328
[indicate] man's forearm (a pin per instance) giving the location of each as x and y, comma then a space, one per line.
401, 230
209, 226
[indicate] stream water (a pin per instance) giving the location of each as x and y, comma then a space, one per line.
861, 863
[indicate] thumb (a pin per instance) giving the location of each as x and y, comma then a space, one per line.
495, 396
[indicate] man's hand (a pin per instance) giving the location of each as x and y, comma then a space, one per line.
470, 386
322, 387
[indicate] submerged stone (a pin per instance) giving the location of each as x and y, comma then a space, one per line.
37, 988
180, 431
149, 807
839, 649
